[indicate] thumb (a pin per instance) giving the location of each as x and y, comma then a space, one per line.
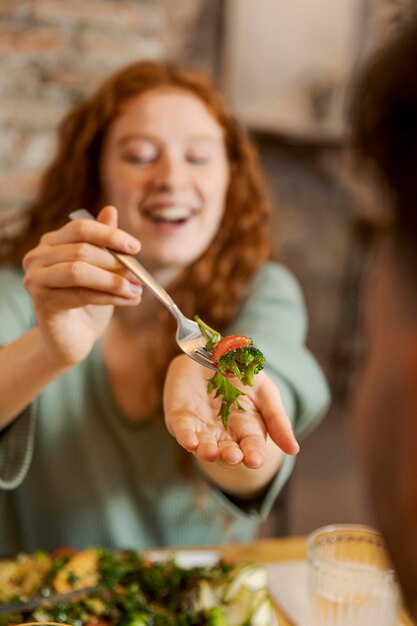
275, 417
108, 215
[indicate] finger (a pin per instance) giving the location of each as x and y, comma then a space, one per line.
187, 439
108, 215
208, 449
185, 395
230, 452
279, 427
78, 297
94, 232
46, 256
182, 427
253, 449
84, 275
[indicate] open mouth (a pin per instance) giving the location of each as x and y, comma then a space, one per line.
169, 214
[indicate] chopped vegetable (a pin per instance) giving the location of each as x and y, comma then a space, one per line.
229, 394
217, 617
134, 591
78, 572
229, 344
239, 357
24, 576
234, 356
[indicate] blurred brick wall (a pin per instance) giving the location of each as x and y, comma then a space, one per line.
53, 52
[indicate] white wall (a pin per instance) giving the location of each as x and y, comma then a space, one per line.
282, 56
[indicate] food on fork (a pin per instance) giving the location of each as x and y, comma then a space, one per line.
234, 356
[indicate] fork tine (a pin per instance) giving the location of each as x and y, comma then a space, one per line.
202, 360
204, 352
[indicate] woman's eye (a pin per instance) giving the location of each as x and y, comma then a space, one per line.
198, 159
140, 158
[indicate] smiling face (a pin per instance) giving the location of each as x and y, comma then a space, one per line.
164, 166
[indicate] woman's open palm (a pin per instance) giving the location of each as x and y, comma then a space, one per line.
191, 416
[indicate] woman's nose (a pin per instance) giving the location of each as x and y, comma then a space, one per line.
171, 171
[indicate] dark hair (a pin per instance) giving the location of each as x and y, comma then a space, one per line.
384, 127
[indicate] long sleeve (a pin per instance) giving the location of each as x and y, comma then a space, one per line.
17, 439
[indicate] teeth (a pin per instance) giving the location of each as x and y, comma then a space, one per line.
172, 214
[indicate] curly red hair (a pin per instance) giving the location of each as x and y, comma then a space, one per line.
215, 284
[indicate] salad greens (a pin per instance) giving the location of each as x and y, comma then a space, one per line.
234, 356
135, 591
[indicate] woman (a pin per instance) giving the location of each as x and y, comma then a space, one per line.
85, 456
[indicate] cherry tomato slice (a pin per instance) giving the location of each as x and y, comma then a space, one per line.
226, 344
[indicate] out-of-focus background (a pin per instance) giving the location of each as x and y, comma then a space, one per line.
286, 68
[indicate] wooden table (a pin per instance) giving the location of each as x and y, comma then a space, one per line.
273, 550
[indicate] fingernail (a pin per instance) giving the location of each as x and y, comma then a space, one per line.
135, 289
133, 245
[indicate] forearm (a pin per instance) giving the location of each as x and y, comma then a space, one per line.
25, 369
240, 481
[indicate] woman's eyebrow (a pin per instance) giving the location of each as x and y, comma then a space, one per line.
155, 139
137, 137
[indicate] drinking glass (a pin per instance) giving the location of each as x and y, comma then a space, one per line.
350, 578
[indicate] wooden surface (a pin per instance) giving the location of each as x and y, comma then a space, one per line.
273, 550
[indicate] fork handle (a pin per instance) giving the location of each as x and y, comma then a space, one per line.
133, 265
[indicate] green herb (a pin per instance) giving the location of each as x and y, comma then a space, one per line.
72, 578
134, 591
229, 394
243, 362
211, 336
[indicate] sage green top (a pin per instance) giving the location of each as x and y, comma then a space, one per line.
75, 472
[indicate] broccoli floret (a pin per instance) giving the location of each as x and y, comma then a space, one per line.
227, 364
244, 363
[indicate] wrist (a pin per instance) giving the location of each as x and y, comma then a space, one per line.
51, 361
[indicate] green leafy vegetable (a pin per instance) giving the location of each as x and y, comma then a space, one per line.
134, 591
234, 355
229, 394
217, 617
211, 336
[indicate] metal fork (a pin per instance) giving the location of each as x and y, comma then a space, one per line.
189, 336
